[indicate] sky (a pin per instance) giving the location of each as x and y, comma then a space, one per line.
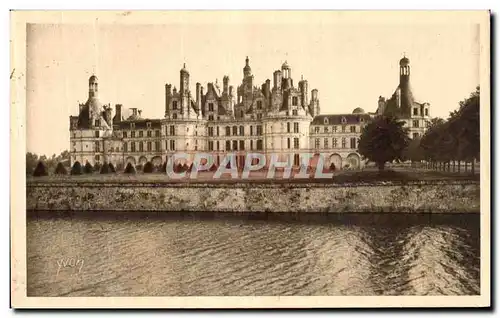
350, 65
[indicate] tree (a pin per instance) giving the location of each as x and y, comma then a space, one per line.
40, 170
383, 140
31, 162
88, 168
60, 169
129, 169
414, 152
148, 167
76, 169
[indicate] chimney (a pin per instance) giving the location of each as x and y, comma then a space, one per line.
118, 113
168, 97
140, 111
225, 84
277, 79
198, 95
134, 111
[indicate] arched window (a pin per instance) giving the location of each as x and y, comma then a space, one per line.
326, 121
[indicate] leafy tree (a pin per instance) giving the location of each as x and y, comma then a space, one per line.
60, 169
383, 140
148, 167
31, 162
40, 170
129, 169
88, 168
76, 169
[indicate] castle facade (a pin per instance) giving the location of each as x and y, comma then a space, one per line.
281, 118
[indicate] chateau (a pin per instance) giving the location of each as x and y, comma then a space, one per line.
280, 119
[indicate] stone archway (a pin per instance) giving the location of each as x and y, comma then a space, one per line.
157, 161
336, 159
354, 161
131, 160
143, 160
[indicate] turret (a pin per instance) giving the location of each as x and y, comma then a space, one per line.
303, 87
277, 80
184, 90
168, 97
118, 114
315, 103
198, 95
225, 84
247, 71
93, 86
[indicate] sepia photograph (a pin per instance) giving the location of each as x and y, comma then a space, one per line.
250, 159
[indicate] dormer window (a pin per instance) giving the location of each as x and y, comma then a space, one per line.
325, 121
174, 105
295, 101
344, 120
148, 125
97, 123
295, 112
210, 107
132, 125
259, 104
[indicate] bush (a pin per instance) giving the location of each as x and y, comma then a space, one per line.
104, 169
76, 169
148, 167
129, 168
40, 170
111, 168
88, 168
60, 169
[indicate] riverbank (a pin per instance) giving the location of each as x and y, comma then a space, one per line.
423, 196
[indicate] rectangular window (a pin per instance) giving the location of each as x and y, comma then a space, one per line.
132, 134
316, 143
259, 104
174, 105
235, 144
150, 134
210, 131
288, 143
415, 135
228, 145
132, 146
210, 145
174, 116
415, 124
259, 145
97, 148
259, 130
296, 127
334, 142
149, 146
211, 108
228, 131
141, 146
218, 145
172, 130
97, 123
316, 130
415, 111
242, 131
157, 146
353, 143
97, 133
172, 144
325, 130
325, 143
141, 134
259, 116
251, 144
343, 128
157, 133
124, 134
426, 112
296, 159
296, 143
97, 157
295, 101
295, 112
251, 130
235, 131
242, 145
353, 129
334, 129
217, 130
125, 147
287, 127
343, 142
211, 117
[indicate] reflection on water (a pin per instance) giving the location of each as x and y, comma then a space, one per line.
276, 254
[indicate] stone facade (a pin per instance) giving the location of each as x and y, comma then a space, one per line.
281, 119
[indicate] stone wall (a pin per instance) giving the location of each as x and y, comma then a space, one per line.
435, 197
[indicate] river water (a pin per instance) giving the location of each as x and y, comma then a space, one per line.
147, 254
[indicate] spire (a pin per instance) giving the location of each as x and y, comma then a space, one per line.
247, 71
